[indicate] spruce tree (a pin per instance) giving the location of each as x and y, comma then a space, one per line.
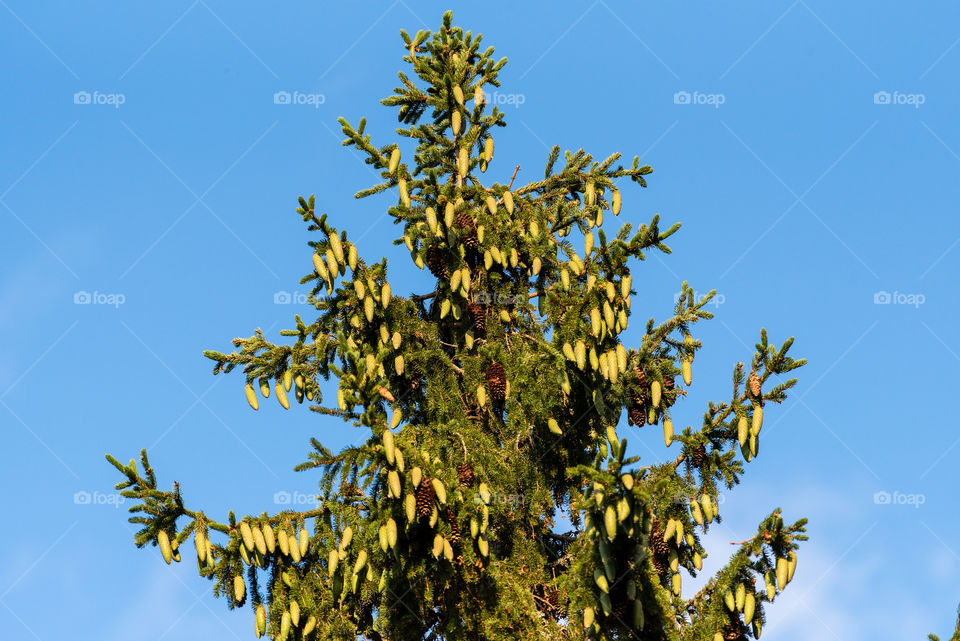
493, 498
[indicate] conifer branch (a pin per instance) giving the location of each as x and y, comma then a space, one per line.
516, 169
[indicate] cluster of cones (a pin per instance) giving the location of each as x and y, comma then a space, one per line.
436, 262
637, 411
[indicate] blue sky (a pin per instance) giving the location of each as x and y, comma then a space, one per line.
808, 201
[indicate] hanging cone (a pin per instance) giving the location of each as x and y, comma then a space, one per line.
669, 393
637, 413
468, 228
454, 527
754, 383
426, 496
699, 456
435, 263
641, 378
659, 565
660, 547
465, 474
548, 600
497, 381
478, 313
553, 598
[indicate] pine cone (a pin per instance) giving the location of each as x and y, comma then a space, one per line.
426, 496
547, 600
454, 527
436, 263
465, 474
754, 382
669, 395
497, 381
657, 544
699, 456
659, 565
641, 378
553, 598
478, 313
468, 229
637, 412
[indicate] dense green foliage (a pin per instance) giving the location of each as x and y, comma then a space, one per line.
491, 402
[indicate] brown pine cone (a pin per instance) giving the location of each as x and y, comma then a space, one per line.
637, 414
754, 382
659, 565
425, 496
553, 598
669, 392
468, 229
454, 527
699, 456
641, 378
497, 381
436, 263
478, 314
657, 544
465, 474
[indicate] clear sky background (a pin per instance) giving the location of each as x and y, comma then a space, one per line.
805, 196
